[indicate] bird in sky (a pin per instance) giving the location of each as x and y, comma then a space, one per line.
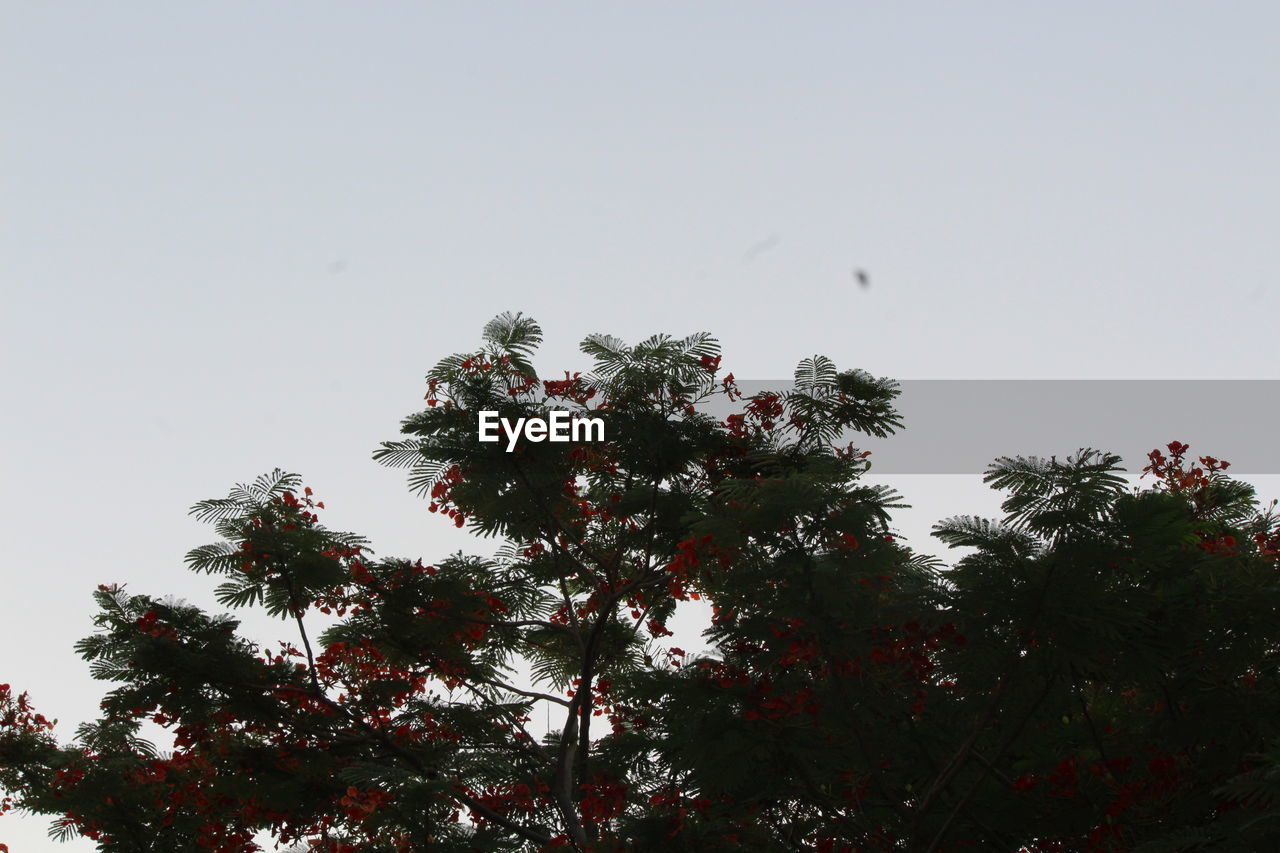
862, 279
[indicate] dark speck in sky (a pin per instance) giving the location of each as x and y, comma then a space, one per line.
760, 247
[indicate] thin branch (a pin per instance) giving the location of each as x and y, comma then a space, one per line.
529, 740
1008, 741
953, 766
532, 694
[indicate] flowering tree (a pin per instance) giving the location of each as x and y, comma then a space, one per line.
1098, 673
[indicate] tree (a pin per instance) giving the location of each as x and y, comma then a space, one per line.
1099, 672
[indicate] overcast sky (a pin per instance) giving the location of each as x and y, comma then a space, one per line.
236, 235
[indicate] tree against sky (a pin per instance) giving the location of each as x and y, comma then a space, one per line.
1099, 672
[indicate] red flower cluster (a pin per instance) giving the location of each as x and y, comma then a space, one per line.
602, 799
17, 714
440, 495
569, 388
1175, 476
681, 568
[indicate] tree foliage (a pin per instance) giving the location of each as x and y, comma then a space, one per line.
1098, 672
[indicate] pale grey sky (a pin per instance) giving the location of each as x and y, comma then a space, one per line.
236, 235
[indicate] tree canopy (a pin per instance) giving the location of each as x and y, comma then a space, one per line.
1097, 672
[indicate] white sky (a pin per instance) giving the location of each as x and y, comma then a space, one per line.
236, 235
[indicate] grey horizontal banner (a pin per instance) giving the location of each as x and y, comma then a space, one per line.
959, 426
